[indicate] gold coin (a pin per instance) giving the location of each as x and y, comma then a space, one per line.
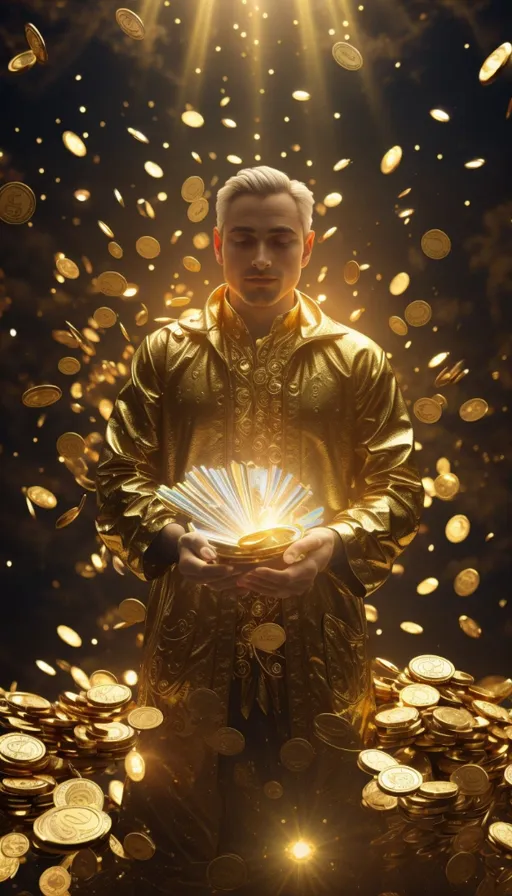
399, 780
446, 486
439, 789
471, 779
192, 188
139, 846
391, 160
124, 331
55, 881
297, 754
21, 748
67, 268
191, 264
204, 703
115, 250
501, 833
507, 774
273, 790
397, 717
78, 792
70, 444
227, 872
132, 610
64, 338
41, 396
494, 63
398, 325
145, 717
474, 409
74, 143
102, 676
375, 798
42, 497
198, 210
457, 528
17, 203
142, 316
84, 864
375, 761
466, 582
28, 701
109, 695
418, 313
427, 410
399, 284
111, 283
36, 43
148, 247
470, 627
69, 365
351, 272
70, 515
460, 868
268, 637
22, 62
436, 244
72, 825
431, 668
14, 845
25, 786
130, 23
227, 741
347, 56
491, 711
420, 695
117, 847
105, 317
412, 628
452, 718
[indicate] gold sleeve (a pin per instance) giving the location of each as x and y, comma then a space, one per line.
385, 515
130, 514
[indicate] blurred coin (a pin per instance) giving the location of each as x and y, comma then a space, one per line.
14, 845
470, 627
191, 264
374, 761
436, 244
22, 62
192, 188
85, 864
398, 325
71, 444
457, 528
69, 365
494, 63
132, 610
41, 396
427, 410
111, 283
74, 143
465, 583
145, 717
474, 409
273, 790
471, 779
70, 515
130, 23
391, 160
501, 833
139, 846
347, 56
297, 754
375, 798
115, 249
17, 203
67, 268
55, 881
36, 43
351, 272
227, 872
399, 284
147, 246
418, 313
227, 741
460, 868
42, 497
446, 486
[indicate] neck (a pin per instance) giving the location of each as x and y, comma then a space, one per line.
259, 320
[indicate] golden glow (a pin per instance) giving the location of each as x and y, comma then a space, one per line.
301, 851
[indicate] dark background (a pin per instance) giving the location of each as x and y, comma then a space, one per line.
378, 107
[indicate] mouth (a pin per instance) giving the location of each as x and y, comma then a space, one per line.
261, 279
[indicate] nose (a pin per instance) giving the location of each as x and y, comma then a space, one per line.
260, 261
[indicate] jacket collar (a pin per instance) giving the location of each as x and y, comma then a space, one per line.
306, 314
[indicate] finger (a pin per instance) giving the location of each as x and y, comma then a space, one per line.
302, 546
264, 574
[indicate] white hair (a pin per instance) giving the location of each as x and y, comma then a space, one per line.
264, 181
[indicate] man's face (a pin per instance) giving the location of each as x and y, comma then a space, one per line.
262, 238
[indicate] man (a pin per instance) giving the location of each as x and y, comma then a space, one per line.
260, 375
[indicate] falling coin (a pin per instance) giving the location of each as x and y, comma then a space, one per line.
465, 583
111, 283
198, 210
347, 56
427, 410
70, 515
74, 143
148, 246
132, 610
130, 23
71, 444
36, 43
42, 497
139, 846
398, 325
41, 396
67, 268
22, 62
145, 717
399, 284
418, 313
446, 486
474, 409
17, 203
105, 317
192, 188
351, 272
436, 244
457, 528
191, 264
115, 249
494, 63
470, 627
69, 365
391, 160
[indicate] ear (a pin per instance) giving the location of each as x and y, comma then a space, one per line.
308, 248
217, 245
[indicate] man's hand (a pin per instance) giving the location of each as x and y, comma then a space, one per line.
309, 556
197, 564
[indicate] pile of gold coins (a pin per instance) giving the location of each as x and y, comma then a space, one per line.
441, 770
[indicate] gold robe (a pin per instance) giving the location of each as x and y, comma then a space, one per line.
320, 400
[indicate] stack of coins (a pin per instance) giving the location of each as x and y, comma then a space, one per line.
442, 770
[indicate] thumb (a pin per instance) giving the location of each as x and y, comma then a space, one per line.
299, 549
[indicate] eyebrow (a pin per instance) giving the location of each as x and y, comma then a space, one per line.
281, 229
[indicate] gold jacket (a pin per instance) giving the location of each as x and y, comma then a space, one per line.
320, 400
